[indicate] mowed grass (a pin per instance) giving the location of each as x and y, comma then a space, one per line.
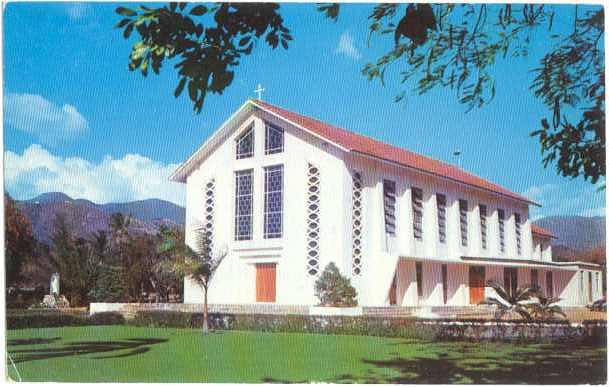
137, 354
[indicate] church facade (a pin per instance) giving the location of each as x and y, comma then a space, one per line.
283, 195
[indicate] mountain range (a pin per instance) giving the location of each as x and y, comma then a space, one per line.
577, 237
86, 217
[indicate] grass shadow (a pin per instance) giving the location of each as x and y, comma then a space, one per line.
553, 364
33, 341
133, 347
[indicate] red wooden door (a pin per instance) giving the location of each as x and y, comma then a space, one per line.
476, 284
265, 282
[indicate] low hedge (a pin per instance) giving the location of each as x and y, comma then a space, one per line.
340, 325
25, 320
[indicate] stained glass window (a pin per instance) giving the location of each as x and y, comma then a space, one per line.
273, 201
389, 203
483, 226
273, 142
243, 204
441, 204
518, 233
417, 213
501, 216
463, 221
245, 144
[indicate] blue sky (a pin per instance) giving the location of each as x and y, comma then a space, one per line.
76, 120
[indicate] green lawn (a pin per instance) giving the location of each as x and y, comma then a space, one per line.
121, 353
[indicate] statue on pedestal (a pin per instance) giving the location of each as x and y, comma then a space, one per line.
54, 287
54, 299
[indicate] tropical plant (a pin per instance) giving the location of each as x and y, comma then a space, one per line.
198, 263
334, 289
510, 303
545, 308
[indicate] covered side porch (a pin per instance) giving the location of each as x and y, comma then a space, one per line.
434, 282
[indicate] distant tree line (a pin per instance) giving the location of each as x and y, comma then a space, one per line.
114, 266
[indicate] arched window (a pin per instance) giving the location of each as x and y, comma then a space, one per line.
312, 220
356, 224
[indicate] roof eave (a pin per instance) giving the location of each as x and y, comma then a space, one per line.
182, 171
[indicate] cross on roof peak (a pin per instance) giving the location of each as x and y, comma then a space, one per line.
259, 91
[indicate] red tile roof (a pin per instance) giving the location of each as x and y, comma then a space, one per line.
365, 145
541, 231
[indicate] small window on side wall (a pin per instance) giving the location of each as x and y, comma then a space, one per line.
273, 142
244, 144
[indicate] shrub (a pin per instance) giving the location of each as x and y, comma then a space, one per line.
167, 319
107, 318
333, 289
47, 319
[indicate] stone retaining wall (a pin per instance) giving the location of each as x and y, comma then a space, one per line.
130, 309
372, 321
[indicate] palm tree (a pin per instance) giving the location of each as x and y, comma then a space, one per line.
198, 263
545, 308
518, 301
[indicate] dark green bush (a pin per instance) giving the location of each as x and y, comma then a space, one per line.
107, 318
168, 319
334, 289
38, 319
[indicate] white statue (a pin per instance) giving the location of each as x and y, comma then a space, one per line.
54, 284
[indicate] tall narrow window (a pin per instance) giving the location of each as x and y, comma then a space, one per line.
273, 201
441, 204
417, 213
589, 286
389, 204
501, 216
245, 144
534, 278
419, 274
463, 221
483, 226
356, 224
581, 285
243, 204
273, 142
208, 213
445, 283
518, 236
549, 284
510, 279
313, 195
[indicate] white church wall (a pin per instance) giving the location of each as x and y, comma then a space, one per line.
235, 279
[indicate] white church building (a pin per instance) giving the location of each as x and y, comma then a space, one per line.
285, 195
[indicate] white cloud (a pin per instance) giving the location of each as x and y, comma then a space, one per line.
78, 11
46, 120
133, 177
346, 46
555, 199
